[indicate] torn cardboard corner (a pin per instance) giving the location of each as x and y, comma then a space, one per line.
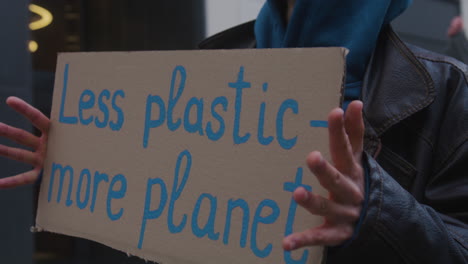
188, 156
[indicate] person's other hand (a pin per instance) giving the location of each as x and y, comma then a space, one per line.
37, 144
344, 180
455, 26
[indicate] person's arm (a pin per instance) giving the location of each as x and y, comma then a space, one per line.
399, 229
37, 144
433, 228
396, 228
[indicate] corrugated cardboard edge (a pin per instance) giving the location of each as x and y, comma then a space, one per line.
146, 258
343, 83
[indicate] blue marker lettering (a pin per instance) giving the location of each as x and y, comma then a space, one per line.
104, 109
261, 122
63, 171
83, 203
116, 126
291, 187
87, 100
179, 70
319, 123
258, 218
152, 123
149, 214
287, 104
215, 136
208, 229
62, 118
198, 125
116, 194
239, 85
177, 191
242, 204
98, 178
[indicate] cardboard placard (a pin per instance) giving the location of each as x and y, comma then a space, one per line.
188, 156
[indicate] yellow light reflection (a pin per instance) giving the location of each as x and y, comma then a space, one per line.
33, 46
44, 21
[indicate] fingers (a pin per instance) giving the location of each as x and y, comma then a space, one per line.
456, 25
354, 125
318, 205
20, 179
343, 180
323, 235
340, 147
343, 188
19, 136
347, 139
20, 155
38, 119
27, 139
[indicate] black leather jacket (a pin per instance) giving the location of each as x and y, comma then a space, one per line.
416, 140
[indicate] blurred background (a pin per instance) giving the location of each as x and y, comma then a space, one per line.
31, 34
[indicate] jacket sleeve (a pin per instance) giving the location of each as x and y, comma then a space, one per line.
399, 229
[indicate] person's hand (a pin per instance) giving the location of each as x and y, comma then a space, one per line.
344, 180
456, 25
37, 144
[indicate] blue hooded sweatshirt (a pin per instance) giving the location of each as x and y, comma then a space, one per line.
354, 24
